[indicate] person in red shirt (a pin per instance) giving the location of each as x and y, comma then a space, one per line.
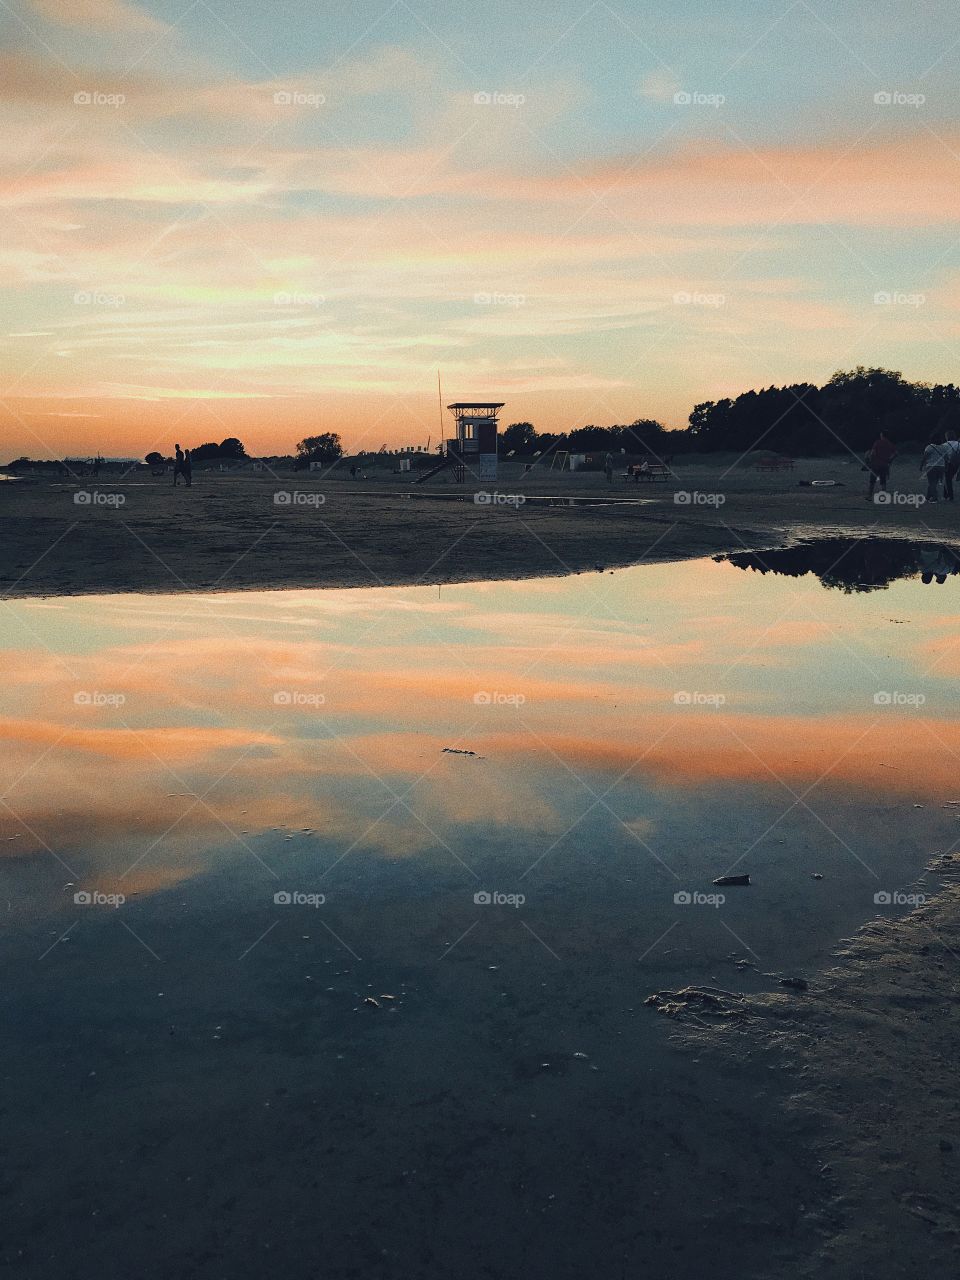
882, 453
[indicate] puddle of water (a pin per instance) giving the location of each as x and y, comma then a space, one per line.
231, 821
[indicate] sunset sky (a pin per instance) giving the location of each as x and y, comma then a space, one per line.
266, 220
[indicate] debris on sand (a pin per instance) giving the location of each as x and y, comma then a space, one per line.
816, 876
372, 1000
731, 880
457, 751
798, 984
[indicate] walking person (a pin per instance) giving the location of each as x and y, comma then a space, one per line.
881, 455
951, 465
187, 469
932, 465
608, 467
177, 464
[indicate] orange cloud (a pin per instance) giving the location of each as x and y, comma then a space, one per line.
169, 744
898, 755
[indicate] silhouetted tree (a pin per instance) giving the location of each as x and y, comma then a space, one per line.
521, 437
646, 435
229, 450
844, 415
325, 448
205, 452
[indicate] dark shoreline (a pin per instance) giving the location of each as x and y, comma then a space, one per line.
870, 1049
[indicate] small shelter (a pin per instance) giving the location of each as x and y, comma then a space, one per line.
475, 446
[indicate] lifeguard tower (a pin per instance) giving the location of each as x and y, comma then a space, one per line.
475, 446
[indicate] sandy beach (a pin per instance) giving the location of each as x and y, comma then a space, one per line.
299, 529
868, 1052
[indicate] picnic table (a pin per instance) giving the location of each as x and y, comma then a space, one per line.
654, 472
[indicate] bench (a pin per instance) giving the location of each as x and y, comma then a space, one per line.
654, 472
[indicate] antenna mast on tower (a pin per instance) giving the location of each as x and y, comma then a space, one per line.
440, 409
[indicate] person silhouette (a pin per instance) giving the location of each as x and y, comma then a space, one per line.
937, 564
951, 451
187, 469
882, 452
177, 464
933, 464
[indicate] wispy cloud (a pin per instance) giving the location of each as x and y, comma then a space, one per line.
97, 15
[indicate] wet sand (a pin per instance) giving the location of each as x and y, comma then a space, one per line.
230, 532
868, 1053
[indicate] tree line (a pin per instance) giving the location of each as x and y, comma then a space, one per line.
522, 440
843, 415
229, 450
